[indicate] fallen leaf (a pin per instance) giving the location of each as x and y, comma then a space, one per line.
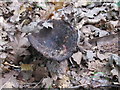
90, 55
9, 81
26, 67
98, 81
77, 57
19, 45
47, 82
40, 73
47, 25
97, 66
24, 75
64, 82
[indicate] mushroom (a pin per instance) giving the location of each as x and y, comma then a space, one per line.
57, 42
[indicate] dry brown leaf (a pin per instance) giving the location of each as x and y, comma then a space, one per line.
85, 81
108, 43
64, 82
97, 66
27, 67
98, 81
19, 45
47, 82
53, 6
39, 73
24, 75
114, 61
77, 57
9, 81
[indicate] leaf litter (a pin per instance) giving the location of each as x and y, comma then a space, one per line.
94, 63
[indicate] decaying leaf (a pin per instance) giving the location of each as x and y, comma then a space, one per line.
85, 81
115, 63
19, 45
81, 3
40, 73
27, 67
97, 38
114, 58
91, 30
102, 56
97, 66
90, 55
47, 25
32, 27
9, 81
98, 80
77, 57
47, 82
50, 8
64, 82
108, 43
24, 75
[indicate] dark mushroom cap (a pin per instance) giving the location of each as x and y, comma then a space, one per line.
57, 43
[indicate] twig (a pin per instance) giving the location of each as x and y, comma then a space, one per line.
115, 85
38, 83
6, 63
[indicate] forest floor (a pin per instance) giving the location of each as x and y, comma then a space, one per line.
94, 65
